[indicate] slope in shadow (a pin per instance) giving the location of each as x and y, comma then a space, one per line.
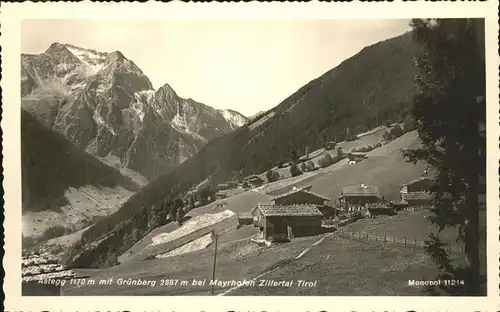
51, 164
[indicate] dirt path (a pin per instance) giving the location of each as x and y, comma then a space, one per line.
300, 255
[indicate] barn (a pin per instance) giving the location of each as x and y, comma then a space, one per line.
355, 196
284, 222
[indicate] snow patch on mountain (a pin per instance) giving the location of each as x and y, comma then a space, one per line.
235, 119
99, 120
93, 59
143, 99
181, 124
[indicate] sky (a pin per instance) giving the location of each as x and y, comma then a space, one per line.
245, 65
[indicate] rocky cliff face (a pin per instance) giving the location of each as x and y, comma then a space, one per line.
104, 103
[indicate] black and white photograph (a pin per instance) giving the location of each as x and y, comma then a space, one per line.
255, 157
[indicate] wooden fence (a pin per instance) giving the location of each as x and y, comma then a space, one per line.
402, 241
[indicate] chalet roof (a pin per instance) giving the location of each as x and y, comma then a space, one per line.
39, 267
306, 210
417, 196
359, 190
416, 180
301, 190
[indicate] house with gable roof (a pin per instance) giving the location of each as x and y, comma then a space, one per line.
353, 197
298, 212
284, 222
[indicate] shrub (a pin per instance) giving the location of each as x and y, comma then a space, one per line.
378, 145
294, 170
325, 161
245, 185
309, 165
388, 124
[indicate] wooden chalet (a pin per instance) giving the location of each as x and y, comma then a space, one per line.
356, 196
300, 196
418, 198
423, 184
284, 222
43, 275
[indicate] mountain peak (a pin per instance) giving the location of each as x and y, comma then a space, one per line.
56, 47
117, 56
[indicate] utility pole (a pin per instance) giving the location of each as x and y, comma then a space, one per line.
215, 262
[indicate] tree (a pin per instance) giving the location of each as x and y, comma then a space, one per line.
387, 136
340, 152
448, 107
294, 170
303, 167
396, 131
325, 161
408, 123
173, 212
272, 176
204, 191
180, 215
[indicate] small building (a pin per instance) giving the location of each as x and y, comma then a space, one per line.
284, 222
42, 275
220, 195
356, 156
423, 184
418, 198
358, 195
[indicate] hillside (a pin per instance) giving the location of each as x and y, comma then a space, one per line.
365, 91
62, 185
104, 103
